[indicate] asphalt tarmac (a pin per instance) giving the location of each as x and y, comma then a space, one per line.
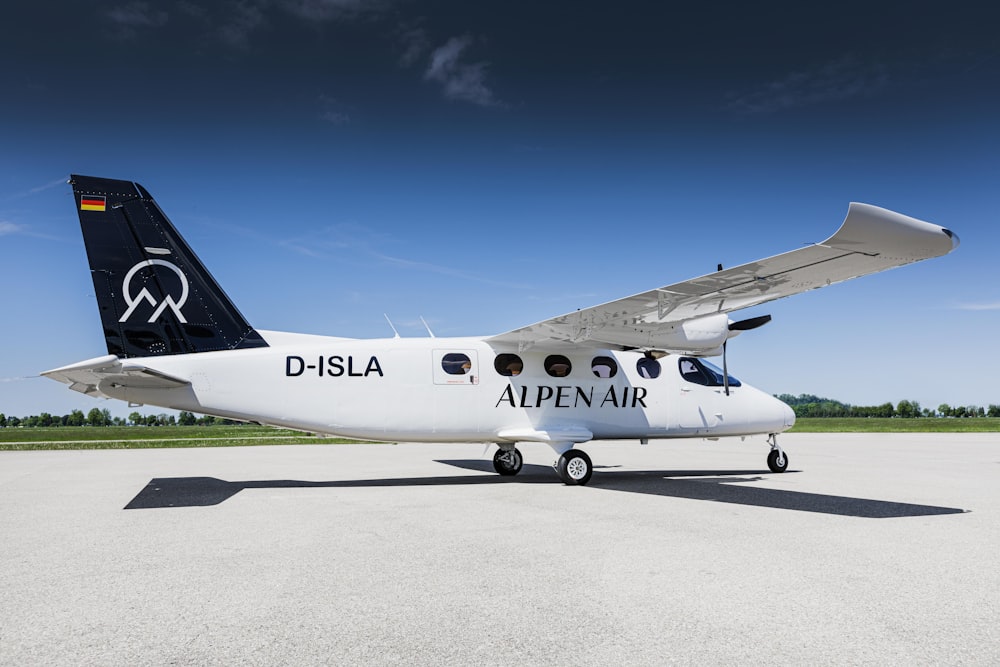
871, 549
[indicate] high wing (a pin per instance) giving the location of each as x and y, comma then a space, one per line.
690, 317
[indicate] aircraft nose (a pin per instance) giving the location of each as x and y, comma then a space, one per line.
788, 414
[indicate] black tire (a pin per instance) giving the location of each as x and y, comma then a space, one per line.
772, 461
508, 462
575, 468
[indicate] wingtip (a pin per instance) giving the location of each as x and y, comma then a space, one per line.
955, 241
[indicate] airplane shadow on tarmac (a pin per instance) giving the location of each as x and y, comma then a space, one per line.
721, 486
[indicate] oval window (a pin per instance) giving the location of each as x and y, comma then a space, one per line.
456, 363
557, 365
604, 367
648, 368
508, 364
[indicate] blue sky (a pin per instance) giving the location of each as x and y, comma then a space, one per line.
489, 165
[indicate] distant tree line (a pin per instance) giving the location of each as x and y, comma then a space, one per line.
808, 405
102, 417
804, 405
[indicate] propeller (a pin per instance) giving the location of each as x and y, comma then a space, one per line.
737, 327
752, 323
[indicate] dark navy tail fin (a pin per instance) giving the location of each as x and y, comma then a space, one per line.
154, 294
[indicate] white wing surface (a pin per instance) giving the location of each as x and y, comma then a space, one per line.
689, 317
88, 376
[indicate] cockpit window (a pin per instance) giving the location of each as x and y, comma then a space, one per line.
648, 368
604, 367
702, 372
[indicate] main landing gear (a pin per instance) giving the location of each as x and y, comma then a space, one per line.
573, 466
508, 461
777, 461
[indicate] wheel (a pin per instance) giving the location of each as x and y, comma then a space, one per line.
574, 467
508, 462
777, 461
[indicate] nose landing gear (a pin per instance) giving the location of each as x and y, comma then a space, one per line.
776, 459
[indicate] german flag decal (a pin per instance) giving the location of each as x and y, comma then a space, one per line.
92, 203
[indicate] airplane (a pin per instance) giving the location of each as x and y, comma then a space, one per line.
634, 368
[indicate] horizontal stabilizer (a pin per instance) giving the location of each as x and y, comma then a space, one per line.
88, 376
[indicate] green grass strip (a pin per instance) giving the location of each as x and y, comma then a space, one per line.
149, 437
895, 425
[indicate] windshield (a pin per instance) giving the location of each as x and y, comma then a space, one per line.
702, 372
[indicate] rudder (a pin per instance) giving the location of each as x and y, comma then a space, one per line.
154, 294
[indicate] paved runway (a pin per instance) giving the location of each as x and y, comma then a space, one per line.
872, 549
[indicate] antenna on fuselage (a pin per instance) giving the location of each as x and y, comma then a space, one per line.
427, 327
396, 333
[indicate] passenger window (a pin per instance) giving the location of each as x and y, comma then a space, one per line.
456, 363
508, 364
648, 368
604, 367
557, 365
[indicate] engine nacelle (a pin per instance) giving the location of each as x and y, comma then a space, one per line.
703, 336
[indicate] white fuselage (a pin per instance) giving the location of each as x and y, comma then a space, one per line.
423, 389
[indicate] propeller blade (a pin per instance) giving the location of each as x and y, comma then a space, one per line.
752, 323
725, 369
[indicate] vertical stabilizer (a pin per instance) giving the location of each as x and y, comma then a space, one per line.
154, 294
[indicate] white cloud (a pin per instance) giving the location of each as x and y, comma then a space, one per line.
461, 81
327, 10
356, 243
333, 111
39, 188
994, 305
10, 228
137, 15
415, 44
242, 21
450, 271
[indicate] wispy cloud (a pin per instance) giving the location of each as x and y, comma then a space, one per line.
330, 10
461, 81
837, 80
415, 44
38, 188
59, 182
241, 21
440, 269
137, 15
10, 228
232, 23
332, 111
340, 239
988, 305
358, 244
129, 19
